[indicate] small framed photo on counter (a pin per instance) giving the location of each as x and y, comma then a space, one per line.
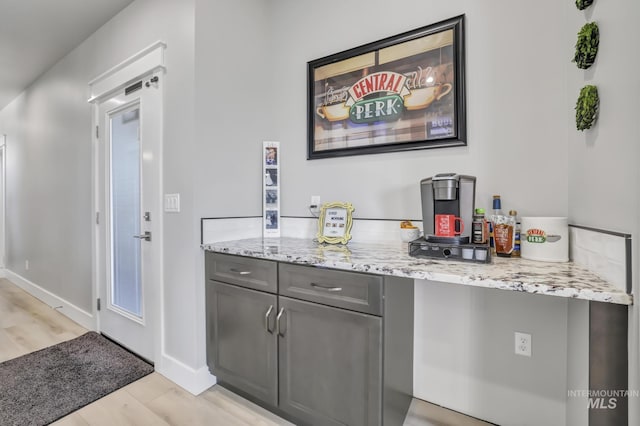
334, 223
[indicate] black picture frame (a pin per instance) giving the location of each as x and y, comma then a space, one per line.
372, 99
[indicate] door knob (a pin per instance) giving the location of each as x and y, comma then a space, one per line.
146, 236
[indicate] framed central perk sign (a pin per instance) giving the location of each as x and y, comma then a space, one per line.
401, 93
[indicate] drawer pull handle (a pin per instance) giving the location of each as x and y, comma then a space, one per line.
266, 320
239, 272
278, 318
326, 288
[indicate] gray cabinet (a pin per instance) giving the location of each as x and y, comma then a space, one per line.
243, 353
319, 346
330, 364
348, 290
243, 271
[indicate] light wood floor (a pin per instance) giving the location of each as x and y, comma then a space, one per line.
26, 325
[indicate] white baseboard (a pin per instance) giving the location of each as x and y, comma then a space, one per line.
191, 380
68, 309
3, 273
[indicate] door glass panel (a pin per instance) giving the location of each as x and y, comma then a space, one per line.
126, 276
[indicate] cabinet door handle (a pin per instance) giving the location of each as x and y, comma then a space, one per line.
266, 319
326, 288
278, 318
239, 272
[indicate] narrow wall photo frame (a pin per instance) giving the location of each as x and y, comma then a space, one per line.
271, 180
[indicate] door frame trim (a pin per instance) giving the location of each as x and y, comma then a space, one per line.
147, 62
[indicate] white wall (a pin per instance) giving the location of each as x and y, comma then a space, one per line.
233, 117
48, 183
464, 353
48, 127
517, 147
240, 78
515, 104
521, 144
516, 128
234, 104
609, 152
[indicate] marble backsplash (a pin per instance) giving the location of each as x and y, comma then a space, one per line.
607, 254
363, 231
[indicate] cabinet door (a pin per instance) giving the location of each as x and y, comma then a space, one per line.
242, 345
330, 364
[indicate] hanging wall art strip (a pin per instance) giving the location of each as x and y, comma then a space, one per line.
271, 188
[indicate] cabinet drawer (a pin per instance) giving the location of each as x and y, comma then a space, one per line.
349, 290
243, 271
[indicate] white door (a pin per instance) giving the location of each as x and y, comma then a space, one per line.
129, 212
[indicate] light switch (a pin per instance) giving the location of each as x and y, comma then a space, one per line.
172, 203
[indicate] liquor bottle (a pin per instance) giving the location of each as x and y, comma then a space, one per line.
497, 211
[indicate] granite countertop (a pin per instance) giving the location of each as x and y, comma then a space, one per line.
554, 279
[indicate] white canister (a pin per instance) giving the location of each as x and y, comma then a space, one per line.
545, 239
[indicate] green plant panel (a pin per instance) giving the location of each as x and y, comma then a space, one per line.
587, 107
583, 4
587, 45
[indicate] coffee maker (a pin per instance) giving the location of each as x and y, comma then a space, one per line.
451, 194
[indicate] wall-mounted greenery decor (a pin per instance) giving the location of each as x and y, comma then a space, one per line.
587, 107
583, 4
587, 45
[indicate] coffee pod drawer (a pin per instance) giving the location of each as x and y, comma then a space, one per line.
348, 290
247, 272
476, 253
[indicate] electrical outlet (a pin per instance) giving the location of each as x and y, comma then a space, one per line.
523, 344
314, 207
26, 265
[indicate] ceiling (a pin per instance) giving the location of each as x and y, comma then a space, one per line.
35, 34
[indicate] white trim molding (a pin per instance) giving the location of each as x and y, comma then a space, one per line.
192, 380
66, 308
148, 62
149, 59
